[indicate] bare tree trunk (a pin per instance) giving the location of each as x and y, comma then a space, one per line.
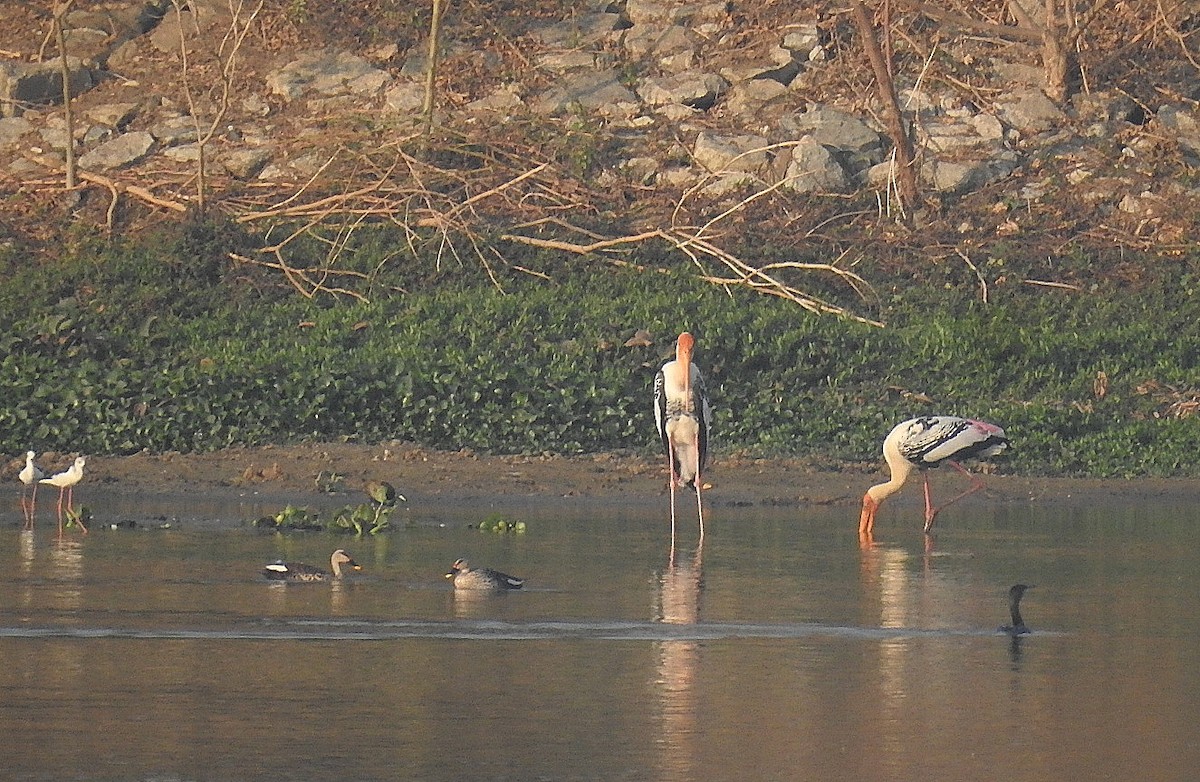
906, 176
60, 12
1054, 55
435, 31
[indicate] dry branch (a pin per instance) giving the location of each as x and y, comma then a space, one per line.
114, 185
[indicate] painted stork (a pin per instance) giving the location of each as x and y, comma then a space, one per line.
682, 415
29, 475
65, 481
924, 443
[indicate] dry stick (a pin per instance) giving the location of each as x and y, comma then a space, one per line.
60, 11
114, 185
1019, 34
233, 37
748, 276
905, 172
435, 29
983, 286
1178, 36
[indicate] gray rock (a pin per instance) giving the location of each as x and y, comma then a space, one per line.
720, 154
749, 97
12, 129
39, 83
174, 130
1030, 111
692, 89
859, 145
658, 12
947, 176
327, 73
184, 153
188, 27
589, 91
87, 43
801, 39
405, 98
1183, 126
729, 183
124, 150
245, 163
112, 115
671, 47
583, 30
97, 134
571, 60
814, 169
504, 100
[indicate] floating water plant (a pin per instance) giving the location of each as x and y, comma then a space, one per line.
79, 517
291, 518
501, 524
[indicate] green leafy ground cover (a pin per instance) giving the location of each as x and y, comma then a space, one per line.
162, 345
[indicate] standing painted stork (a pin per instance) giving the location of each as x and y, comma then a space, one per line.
924, 443
65, 481
29, 475
682, 415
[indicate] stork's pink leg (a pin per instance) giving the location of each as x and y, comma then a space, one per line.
673, 481
931, 513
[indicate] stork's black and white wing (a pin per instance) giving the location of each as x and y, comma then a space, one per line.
931, 440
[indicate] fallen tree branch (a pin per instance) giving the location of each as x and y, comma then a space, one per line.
114, 185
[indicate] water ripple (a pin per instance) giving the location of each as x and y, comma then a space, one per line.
362, 630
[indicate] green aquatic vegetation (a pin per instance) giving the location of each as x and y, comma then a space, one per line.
121, 347
501, 524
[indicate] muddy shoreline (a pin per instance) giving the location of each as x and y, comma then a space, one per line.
312, 473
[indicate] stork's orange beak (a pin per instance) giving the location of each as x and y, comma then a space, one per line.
866, 520
683, 354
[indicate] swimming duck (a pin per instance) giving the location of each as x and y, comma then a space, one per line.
1014, 608
298, 571
467, 577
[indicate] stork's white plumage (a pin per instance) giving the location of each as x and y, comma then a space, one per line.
29, 476
682, 415
65, 481
924, 443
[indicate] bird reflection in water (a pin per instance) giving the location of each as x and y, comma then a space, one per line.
679, 603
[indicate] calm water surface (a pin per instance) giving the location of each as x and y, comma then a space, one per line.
781, 649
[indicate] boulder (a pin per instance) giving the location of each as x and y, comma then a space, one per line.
23, 84
124, 150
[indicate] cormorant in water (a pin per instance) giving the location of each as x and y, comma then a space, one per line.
1014, 608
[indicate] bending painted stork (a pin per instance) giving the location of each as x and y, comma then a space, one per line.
924, 443
682, 415
29, 475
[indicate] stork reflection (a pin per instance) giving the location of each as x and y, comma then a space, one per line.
679, 589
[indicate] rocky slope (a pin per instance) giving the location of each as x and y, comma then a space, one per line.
660, 111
